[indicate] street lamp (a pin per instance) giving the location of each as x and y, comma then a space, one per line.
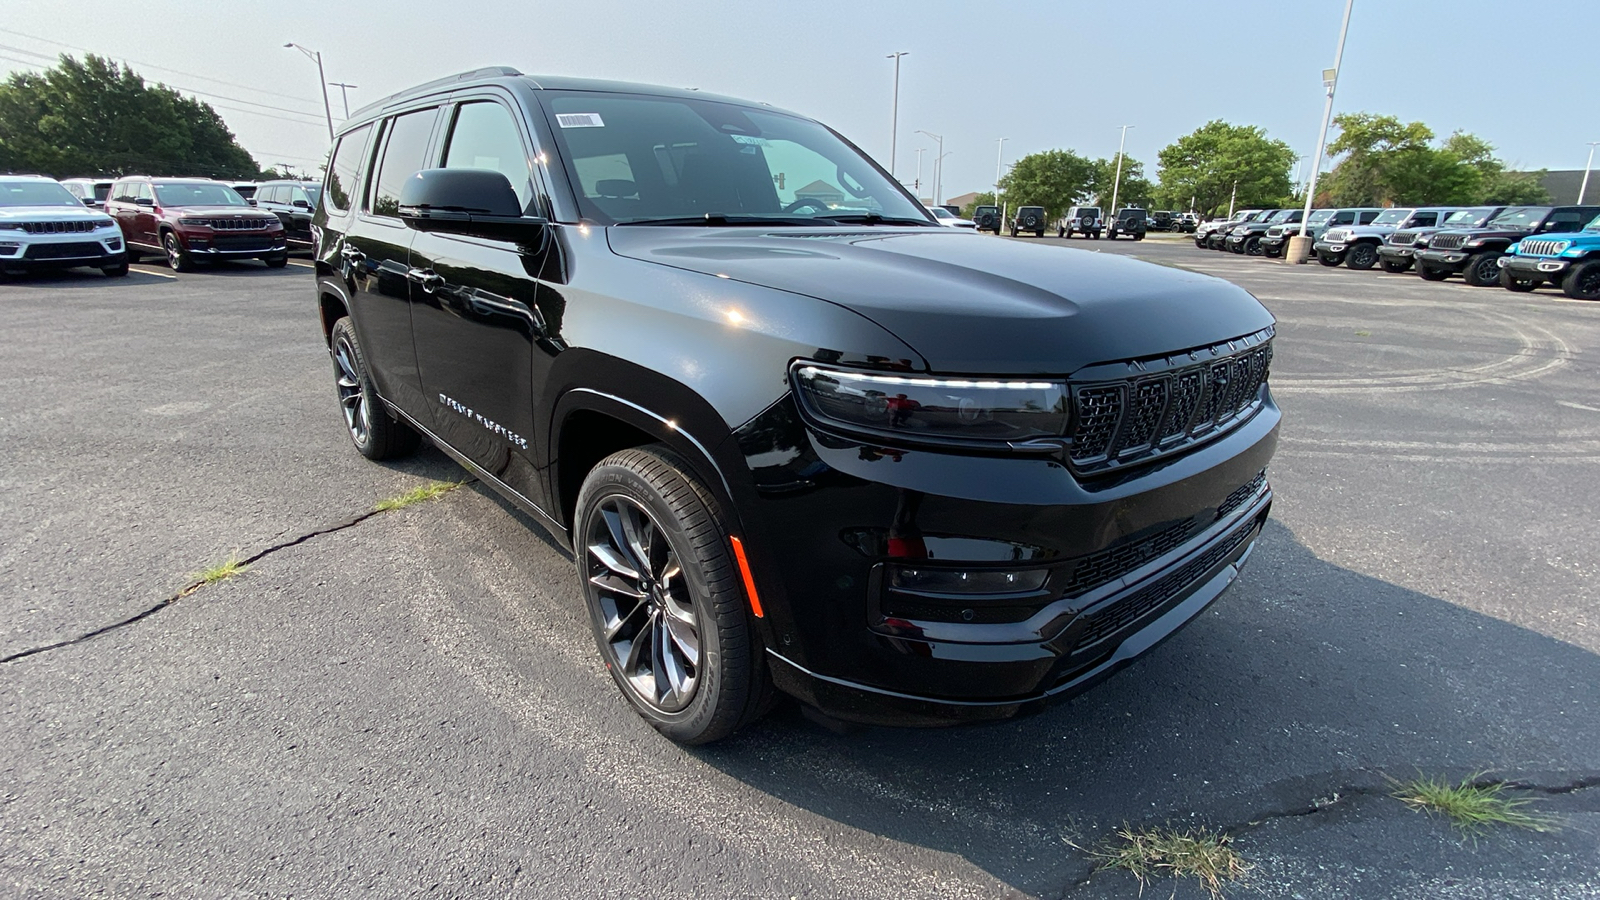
937, 162
999, 165
1583, 188
322, 79
1116, 182
938, 178
894, 116
344, 92
917, 185
1299, 249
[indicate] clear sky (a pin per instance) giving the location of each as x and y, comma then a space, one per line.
1044, 75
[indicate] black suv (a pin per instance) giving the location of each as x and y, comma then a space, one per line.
1029, 219
1475, 253
1130, 221
799, 437
1247, 239
987, 218
293, 202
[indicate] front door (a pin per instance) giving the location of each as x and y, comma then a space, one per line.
479, 331
144, 216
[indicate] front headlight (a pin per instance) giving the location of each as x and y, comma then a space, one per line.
10, 226
983, 411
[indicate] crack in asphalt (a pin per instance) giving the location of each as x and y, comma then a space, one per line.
196, 585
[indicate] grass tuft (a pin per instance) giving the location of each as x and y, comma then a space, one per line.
1152, 852
222, 571
426, 492
1473, 808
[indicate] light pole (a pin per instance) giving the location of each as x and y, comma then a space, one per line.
938, 178
917, 185
1297, 166
894, 115
1299, 249
1231, 198
327, 110
344, 92
999, 164
1583, 188
937, 161
1116, 182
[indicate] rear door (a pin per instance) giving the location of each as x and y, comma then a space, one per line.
144, 215
486, 329
300, 209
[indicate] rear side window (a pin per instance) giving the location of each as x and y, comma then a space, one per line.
485, 136
404, 154
344, 167
1566, 220
1369, 215
1425, 219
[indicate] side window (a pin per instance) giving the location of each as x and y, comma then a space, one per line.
485, 136
142, 191
404, 153
122, 192
1565, 220
346, 164
1343, 218
266, 194
1425, 219
296, 193
1368, 216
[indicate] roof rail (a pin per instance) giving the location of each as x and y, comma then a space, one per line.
437, 84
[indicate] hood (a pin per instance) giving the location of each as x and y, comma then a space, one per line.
971, 304
234, 212
52, 214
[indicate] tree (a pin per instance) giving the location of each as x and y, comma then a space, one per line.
1135, 189
1207, 163
97, 118
1384, 162
1053, 179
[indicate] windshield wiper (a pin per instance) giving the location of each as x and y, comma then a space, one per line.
717, 220
876, 219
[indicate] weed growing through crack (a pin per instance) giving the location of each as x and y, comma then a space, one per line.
1152, 852
1473, 808
431, 491
222, 571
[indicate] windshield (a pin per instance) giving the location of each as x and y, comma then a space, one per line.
1469, 218
314, 191
36, 193
1523, 218
1319, 216
1392, 216
198, 194
636, 158
1284, 215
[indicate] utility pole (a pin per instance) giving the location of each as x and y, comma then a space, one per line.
894, 115
938, 178
999, 165
938, 162
322, 79
1584, 188
1117, 181
344, 91
1299, 249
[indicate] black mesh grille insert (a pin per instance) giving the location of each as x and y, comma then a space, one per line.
65, 251
1114, 562
231, 242
1144, 413
1447, 241
1099, 412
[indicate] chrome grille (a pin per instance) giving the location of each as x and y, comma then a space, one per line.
1403, 238
82, 227
1447, 241
238, 224
1541, 248
1152, 414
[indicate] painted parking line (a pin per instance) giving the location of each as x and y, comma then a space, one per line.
301, 265
159, 273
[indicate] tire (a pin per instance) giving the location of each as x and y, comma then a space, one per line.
276, 262
1330, 260
1039, 233
642, 508
1272, 252
1583, 282
1429, 273
117, 271
1013, 232
1139, 236
133, 255
1061, 232
375, 434
1482, 270
1361, 256
1512, 282
1394, 266
1097, 235
178, 258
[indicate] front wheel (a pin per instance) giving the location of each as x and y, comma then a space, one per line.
1395, 266
276, 262
1521, 285
1331, 260
177, 257
1429, 273
665, 599
375, 434
1583, 282
117, 271
1272, 252
1362, 256
1482, 270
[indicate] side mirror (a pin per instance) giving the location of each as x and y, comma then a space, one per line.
302, 204
251, 201
473, 202
145, 201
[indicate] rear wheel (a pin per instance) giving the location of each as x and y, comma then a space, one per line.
1521, 284
1013, 231
1395, 266
1039, 233
375, 434
1583, 282
1429, 273
1061, 232
1361, 256
664, 597
1482, 269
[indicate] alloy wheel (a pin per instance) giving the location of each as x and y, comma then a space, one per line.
352, 392
650, 624
174, 255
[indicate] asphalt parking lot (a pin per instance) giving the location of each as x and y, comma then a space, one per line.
410, 703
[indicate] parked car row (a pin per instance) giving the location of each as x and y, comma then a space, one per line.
109, 223
1518, 247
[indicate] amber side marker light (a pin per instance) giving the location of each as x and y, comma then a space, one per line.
749, 580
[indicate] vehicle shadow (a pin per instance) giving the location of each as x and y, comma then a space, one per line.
1304, 677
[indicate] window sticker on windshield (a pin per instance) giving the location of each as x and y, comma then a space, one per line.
579, 120
748, 139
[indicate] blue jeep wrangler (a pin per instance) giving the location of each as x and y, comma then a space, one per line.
1570, 260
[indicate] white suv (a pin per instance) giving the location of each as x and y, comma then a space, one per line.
42, 226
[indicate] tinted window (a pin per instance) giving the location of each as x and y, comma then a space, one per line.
141, 191
266, 194
346, 163
1425, 219
1368, 216
102, 191
1566, 220
404, 154
486, 137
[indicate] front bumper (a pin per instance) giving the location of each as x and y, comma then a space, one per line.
1326, 248
836, 523
233, 245
1390, 251
20, 251
1454, 260
1536, 266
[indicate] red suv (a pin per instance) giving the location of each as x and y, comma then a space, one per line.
190, 219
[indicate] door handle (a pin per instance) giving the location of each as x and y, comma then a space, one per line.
428, 278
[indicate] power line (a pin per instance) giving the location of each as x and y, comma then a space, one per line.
125, 60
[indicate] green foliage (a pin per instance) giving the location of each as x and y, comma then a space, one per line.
1053, 179
984, 199
96, 118
1135, 190
1384, 162
1206, 163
